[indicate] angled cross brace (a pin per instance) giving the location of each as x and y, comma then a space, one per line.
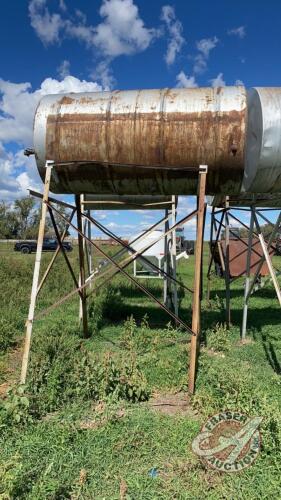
62, 236
269, 244
266, 242
63, 249
141, 287
138, 254
268, 259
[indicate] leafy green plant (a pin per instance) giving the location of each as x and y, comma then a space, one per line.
218, 338
8, 333
15, 408
106, 306
136, 338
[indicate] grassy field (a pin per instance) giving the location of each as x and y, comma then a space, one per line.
87, 424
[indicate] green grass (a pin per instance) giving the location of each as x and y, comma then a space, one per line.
46, 450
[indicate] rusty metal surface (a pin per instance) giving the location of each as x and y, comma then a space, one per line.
238, 257
111, 202
140, 142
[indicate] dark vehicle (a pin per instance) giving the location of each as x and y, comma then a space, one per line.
49, 244
188, 246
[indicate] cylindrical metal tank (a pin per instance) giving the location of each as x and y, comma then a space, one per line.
263, 142
157, 250
143, 141
272, 200
110, 202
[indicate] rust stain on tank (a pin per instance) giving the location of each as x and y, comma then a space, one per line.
114, 147
185, 138
66, 100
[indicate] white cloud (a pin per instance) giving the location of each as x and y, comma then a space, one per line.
47, 26
14, 181
64, 69
239, 82
185, 81
121, 32
17, 106
62, 5
204, 47
103, 74
200, 64
68, 84
218, 81
174, 27
240, 32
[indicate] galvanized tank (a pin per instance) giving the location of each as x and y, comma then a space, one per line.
269, 200
263, 142
111, 202
141, 142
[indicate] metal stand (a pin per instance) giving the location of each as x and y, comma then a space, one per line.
226, 266
116, 264
83, 297
263, 253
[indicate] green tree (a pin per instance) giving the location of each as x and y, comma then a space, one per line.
24, 208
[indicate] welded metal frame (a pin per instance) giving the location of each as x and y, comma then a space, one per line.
48, 203
254, 231
170, 290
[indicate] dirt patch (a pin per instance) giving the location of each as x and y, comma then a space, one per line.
172, 404
100, 417
11, 368
212, 352
245, 341
3, 390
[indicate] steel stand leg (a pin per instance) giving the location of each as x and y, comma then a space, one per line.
247, 281
166, 262
227, 275
196, 307
36, 273
83, 300
210, 256
174, 257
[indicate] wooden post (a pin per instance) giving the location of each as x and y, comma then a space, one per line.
36, 274
196, 309
226, 272
83, 317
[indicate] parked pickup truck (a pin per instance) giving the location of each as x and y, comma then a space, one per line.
49, 244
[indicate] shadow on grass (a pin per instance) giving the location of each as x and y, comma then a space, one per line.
267, 340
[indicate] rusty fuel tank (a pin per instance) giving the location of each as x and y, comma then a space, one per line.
142, 142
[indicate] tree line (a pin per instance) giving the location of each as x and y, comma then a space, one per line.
20, 219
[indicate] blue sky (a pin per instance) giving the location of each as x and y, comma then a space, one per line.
62, 45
